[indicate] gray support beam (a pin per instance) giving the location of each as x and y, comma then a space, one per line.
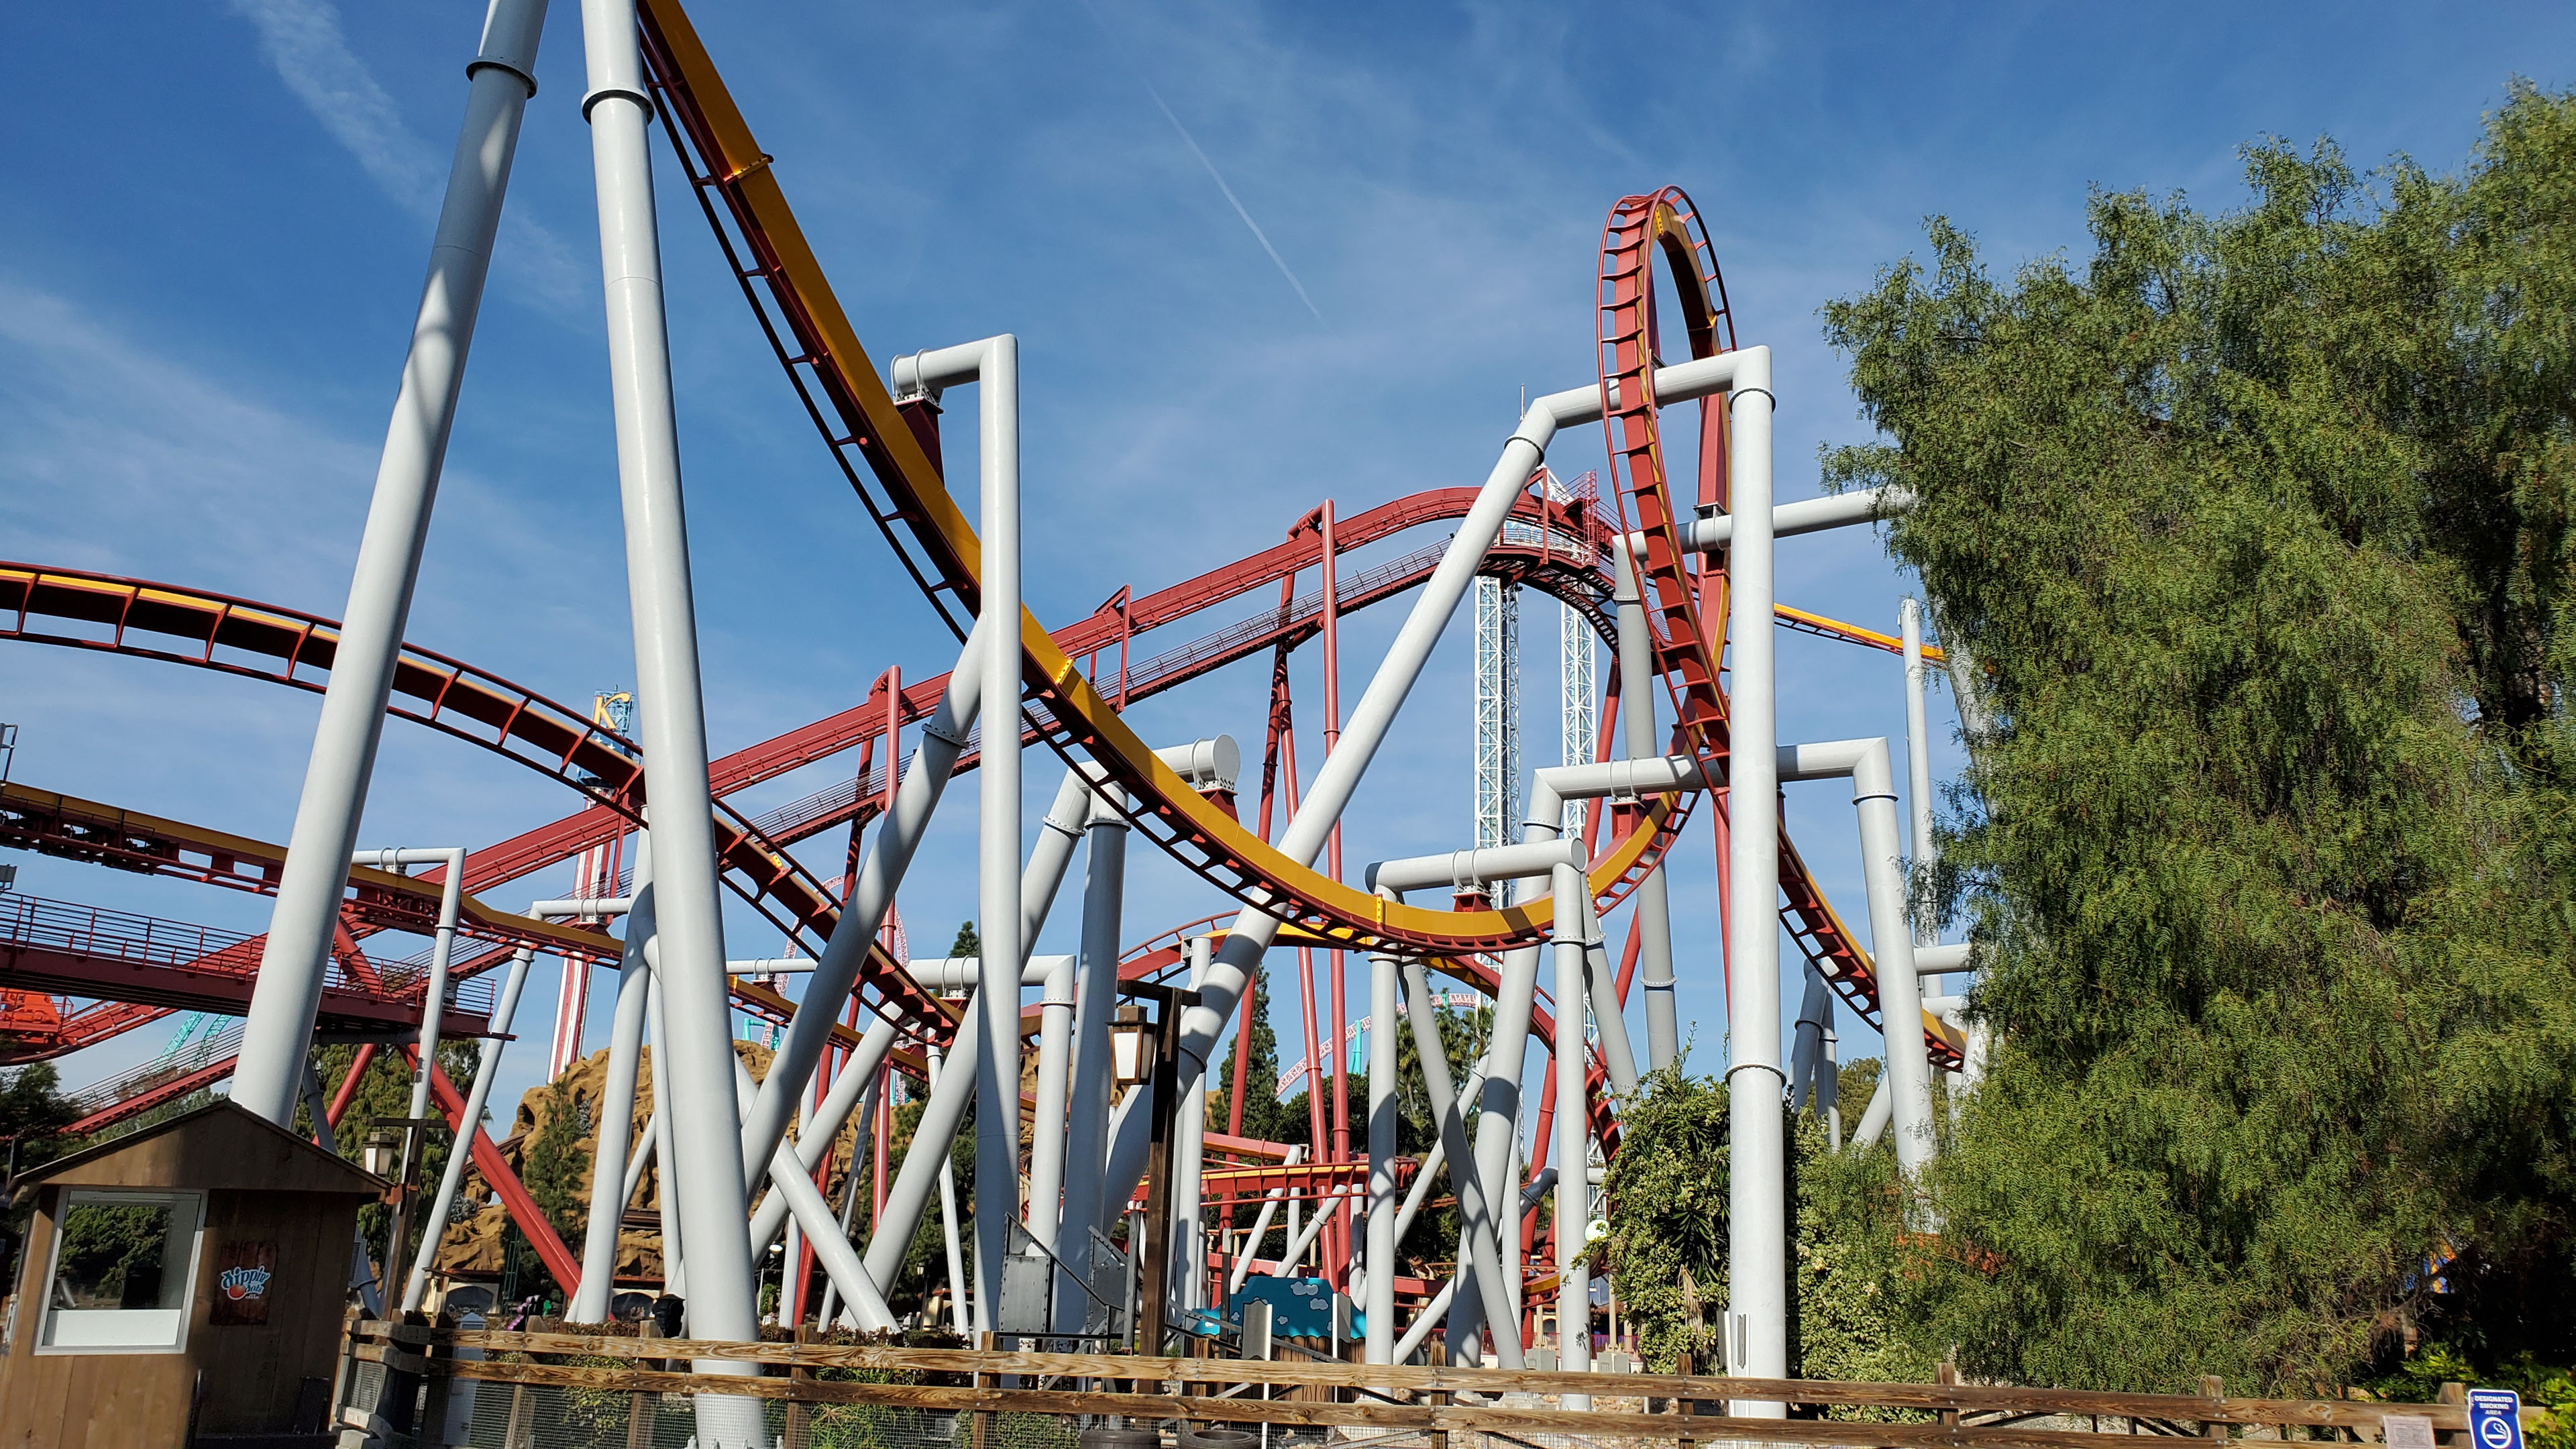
703, 1160
279, 1030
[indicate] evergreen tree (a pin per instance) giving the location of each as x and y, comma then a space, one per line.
2258, 529
968, 946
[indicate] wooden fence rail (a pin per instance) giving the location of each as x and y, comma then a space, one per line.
1432, 1401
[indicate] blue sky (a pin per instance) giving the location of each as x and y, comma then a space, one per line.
213, 219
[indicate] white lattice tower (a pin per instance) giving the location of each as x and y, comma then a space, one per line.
1498, 714
1578, 716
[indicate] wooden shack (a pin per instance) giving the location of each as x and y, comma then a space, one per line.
186, 1280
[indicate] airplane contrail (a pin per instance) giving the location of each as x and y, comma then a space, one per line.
1213, 174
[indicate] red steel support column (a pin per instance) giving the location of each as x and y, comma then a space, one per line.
358, 1065
1337, 1252
523, 1209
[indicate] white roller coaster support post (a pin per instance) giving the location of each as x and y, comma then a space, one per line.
1756, 1186
836, 972
1095, 997
1891, 935
1573, 1211
1918, 747
1653, 921
1382, 1205
666, 1192
792, 1179
279, 1031
993, 365
1057, 835
705, 1160
959, 1308
1188, 1273
1808, 1039
609, 1154
416, 1289
815, 1138
1479, 1265
1497, 1133
1601, 985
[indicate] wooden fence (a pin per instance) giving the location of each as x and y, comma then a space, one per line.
1430, 1402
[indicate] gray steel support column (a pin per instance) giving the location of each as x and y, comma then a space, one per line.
813, 1140
706, 1130
1918, 748
1601, 985
1637, 689
1497, 1132
1095, 998
416, 1289
609, 1156
442, 949
836, 973
642, 1156
1048, 859
1829, 1083
1188, 1275
1807, 1040
1873, 1118
853, 1185
1382, 1204
279, 1030
958, 1307
1047, 1138
925, 1164
1900, 994
1481, 1264
1573, 1212
1891, 934
1757, 1190
666, 1193
791, 1180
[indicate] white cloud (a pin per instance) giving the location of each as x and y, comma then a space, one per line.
301, 40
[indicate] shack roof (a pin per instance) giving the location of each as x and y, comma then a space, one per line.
219, 1146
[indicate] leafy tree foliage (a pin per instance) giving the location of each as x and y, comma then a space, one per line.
2258, 528
33, 1113
1667, 1245
556, 1166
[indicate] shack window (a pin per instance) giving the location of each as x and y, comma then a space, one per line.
124, 1266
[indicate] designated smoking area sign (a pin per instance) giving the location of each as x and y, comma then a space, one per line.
2495, 1419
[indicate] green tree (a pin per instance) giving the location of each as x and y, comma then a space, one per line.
385, 1091
33, 1114
555, 1165
2257, 529
1667, 1188
967, 946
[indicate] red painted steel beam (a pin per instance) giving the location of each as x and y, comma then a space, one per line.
158, 1094
522, 1208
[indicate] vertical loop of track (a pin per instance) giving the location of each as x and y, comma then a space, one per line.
1640, 227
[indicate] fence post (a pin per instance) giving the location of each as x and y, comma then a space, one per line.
1683, 1366
2214, 1389
983, 1428
434, 1431
1946, 1374
2455, 1396
1439, 1435
794, 1435
639, 1404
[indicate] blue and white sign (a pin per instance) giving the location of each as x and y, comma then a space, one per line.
2495, 1419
